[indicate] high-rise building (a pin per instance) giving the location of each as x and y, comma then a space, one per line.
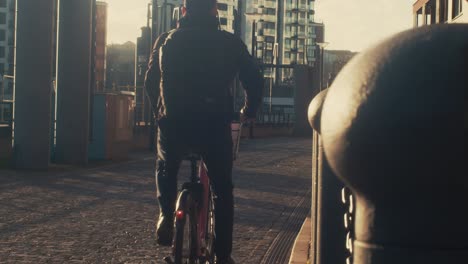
168, 11
427, 12
228, 15
280, 34
7, 40
285, 31
101, 41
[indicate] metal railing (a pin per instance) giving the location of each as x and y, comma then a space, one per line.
6, 112
275, 119
6, 100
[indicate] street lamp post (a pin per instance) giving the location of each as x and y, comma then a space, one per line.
322, 46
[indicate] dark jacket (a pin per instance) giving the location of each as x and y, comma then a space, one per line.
196, 57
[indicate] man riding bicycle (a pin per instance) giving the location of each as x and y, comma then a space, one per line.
189, 80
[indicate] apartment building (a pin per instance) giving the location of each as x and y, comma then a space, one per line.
228, 15
285, 31
282, 32
168, 12
427, 12
7, 40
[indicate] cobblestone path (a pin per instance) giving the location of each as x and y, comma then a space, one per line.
107, 214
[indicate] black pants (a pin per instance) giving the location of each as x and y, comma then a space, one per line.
214, 143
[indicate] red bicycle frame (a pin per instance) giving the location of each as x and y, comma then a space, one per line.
202, 222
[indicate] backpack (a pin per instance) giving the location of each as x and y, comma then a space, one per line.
196, 76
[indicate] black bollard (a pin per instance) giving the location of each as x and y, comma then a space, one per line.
327, 228
393, 131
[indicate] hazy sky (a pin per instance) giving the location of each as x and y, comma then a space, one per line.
350, 24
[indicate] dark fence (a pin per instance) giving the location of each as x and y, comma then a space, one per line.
6, 112
278, 119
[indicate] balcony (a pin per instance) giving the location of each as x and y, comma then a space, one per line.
294, 21
269, 4
269, 18
269, 32
298, 8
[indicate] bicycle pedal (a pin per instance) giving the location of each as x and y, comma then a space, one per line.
168, 260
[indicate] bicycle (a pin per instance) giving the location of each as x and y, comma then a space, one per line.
194, 222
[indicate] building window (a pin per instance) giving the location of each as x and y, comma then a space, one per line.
222, 7
2, 19
2, 35
3, 3
311, 30
223, 21
269, 25
457, 8
443, 11
2, 52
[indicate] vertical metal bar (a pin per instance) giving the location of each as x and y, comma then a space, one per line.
93, 85
321, 68
2, 98
271, 85
254, 40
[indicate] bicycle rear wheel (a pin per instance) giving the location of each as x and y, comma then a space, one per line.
185, 239
210, 232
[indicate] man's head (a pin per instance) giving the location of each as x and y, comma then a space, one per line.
200, 7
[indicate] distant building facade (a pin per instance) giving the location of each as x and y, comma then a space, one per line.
101, 41
427, 12
282, 32
143, 50
228, 15
164, 14
285, 31
120, 70
333, 62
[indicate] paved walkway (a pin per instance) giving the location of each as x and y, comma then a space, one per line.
106, 214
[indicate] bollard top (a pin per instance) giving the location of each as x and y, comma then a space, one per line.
393, 119
315, 110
